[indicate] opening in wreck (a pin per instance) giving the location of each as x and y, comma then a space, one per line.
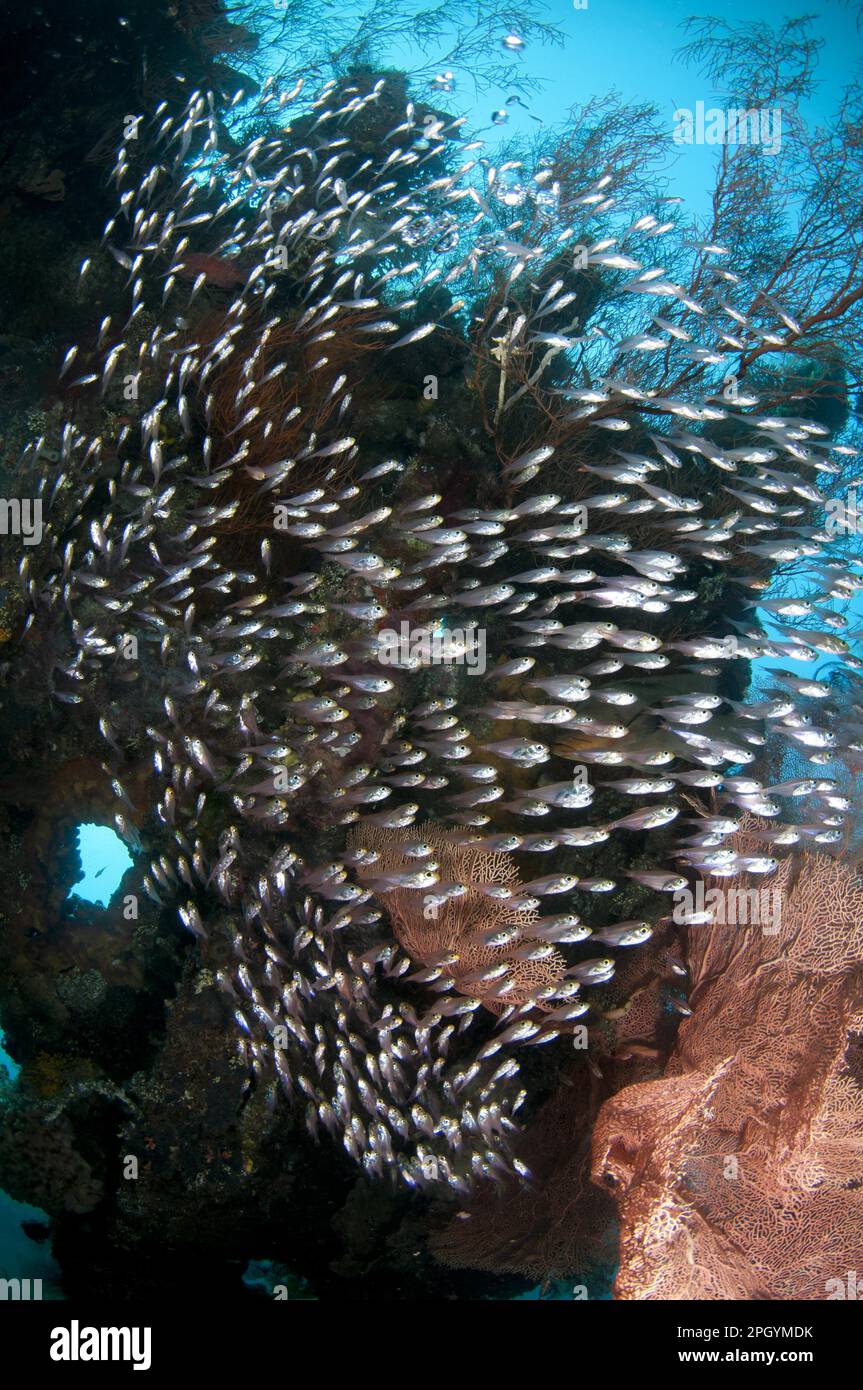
104, 860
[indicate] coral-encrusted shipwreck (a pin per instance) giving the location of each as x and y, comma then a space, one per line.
214, 573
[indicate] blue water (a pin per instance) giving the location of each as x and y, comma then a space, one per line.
632, 49
104, 860
21, 1257
564, 1291
627, 47
9, 1069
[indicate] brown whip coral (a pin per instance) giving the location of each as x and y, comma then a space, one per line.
739, 1174
481, 943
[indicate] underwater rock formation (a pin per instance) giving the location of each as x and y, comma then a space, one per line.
39, 1160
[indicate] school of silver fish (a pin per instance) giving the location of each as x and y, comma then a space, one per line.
251, 705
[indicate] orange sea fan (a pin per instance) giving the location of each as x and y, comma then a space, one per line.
739, 1174
455, 933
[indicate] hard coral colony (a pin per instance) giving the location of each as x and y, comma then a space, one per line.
398, 874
